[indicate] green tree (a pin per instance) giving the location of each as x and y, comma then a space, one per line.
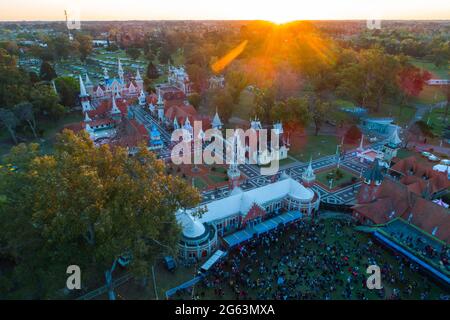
84, 46
224, 103
47, 73
152, 71
10, 122
87, 206
319, 109
46, 101
236, 82
293, 113
68, 89
24, 112
133, 53
264, 102
14, 82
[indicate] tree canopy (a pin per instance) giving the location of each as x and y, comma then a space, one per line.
86, 206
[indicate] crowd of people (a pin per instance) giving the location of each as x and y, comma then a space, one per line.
324, 259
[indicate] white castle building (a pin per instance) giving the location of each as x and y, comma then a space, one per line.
243, 215
118, 87
179, 78
270, 153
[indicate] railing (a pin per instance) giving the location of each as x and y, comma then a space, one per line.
116, 283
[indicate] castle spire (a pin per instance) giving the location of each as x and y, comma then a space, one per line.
83, 92
138, 75
120, 70
361, 144
88, 81
216, 122
114, 109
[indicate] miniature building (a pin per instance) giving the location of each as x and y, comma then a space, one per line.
245, 213
308, 176
391, 147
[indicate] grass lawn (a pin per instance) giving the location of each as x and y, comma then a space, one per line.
199, 183
440, 72
430, 95
346, 178
51, 128
303, 148
437, 121
217, 178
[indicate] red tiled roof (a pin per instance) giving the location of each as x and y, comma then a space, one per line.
394, 199
414, 174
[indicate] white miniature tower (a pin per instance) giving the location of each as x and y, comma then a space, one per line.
115, 111
87, 118
84, 97
361, 144
216, 123
308, 176
142, 99
120, 72
89, 86
139, 81
233, 171
160, 107
391, 147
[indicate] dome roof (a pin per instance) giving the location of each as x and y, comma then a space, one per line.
192, 228
299, 192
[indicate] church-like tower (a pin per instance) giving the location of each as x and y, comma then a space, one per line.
139, 81
308, 176
160, 107
84, 97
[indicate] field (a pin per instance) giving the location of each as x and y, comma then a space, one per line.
304, 147
440, 72
51, 128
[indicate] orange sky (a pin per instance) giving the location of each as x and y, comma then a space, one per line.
273, 10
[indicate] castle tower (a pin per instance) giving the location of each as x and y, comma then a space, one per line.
175, 124
216, 123
89, 86
308, 177
233, 171
160, 107
361, 144
391, 147
120, 72
115, 111
139, 81
87, 118
105, 75
373, 176
142, 99
84, 97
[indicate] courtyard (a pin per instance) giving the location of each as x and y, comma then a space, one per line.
339, 176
